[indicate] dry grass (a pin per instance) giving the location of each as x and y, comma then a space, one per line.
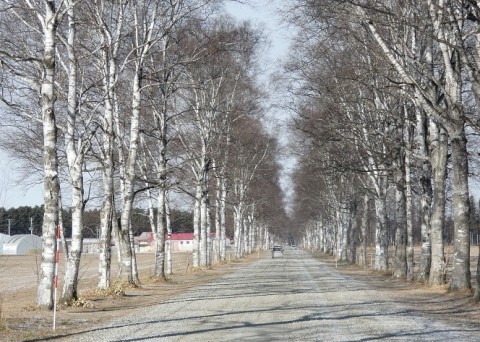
3, 326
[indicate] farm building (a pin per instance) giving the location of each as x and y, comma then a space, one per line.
181, 242
22, 244
145, 242
3, 238
91, 246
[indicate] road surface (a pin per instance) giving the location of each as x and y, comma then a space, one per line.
294, 298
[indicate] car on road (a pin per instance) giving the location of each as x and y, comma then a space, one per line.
277, 251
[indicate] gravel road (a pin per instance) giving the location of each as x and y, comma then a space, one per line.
294, 298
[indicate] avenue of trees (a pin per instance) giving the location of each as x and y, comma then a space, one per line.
121, 105
386, 100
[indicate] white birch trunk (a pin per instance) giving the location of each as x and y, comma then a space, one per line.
461, 275
400, 260
126, 252
50, 159
426, 198
362, 260
106, 220
381, 243
438, 155
409, 209
168, 242
353, 232
452, 118
238, 230
108, 223
159, 270
75, 159
246, 235
218, 223
223, 227
196, 227
461, 204
204, 224
341, 236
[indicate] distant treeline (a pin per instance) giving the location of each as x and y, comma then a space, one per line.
22, 218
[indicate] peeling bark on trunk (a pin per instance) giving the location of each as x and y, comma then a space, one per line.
50, 160
75, 158
168, 242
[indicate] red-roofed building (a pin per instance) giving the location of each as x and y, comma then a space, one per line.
181, 242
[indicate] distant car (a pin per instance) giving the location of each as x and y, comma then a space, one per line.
293, 246
277, 251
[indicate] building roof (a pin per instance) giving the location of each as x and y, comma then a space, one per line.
21, 244
180, 236
13, 239
184, 236
4, 237
145, 236
148, 236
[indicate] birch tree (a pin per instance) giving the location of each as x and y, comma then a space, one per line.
109, 24
250, 148
49, 22
437, 90
34, 66
77, 135
212, 82
451, 117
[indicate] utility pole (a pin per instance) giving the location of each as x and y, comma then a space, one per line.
31, 225
9, 226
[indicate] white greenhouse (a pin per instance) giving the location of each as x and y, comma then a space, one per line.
3, 238
22, 244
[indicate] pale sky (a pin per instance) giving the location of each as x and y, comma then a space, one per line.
264, 13
14, 193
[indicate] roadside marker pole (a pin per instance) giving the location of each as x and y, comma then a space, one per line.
57, 259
